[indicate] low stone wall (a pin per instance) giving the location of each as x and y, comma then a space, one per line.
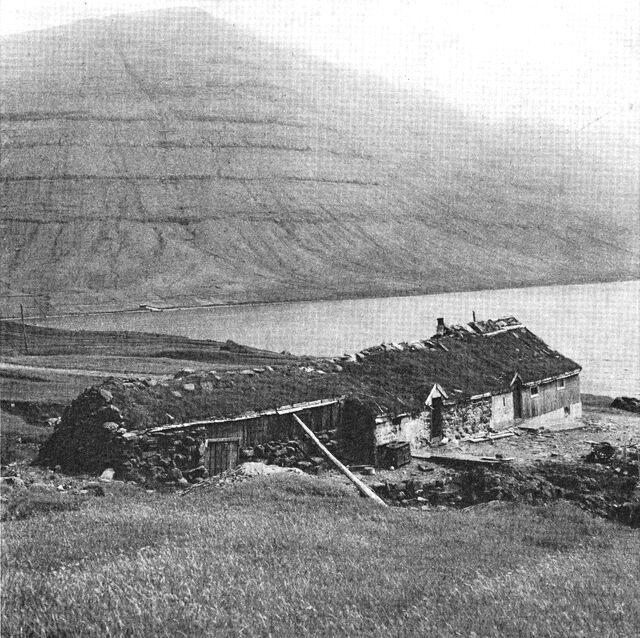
166, 457
296, 452
462, 419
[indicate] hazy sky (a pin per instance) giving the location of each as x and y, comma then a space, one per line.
575, 62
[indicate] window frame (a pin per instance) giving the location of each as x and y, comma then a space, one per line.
534, 391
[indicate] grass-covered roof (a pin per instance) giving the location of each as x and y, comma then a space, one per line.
395, 380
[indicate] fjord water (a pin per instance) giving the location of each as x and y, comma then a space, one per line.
597, 325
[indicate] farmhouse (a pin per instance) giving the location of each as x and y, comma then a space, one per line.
482, 377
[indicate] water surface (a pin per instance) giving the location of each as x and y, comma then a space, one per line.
597, 325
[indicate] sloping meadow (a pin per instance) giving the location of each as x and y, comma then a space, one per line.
301, 556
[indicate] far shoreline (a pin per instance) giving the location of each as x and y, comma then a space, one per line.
37, 320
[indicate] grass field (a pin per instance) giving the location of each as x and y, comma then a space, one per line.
299, 556
19, 439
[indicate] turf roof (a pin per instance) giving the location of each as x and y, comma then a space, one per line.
463, 362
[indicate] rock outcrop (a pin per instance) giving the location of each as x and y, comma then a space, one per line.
631, 404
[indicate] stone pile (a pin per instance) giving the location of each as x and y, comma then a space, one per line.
242, 473
468, 488
91, 437
298, 453
418, 493
596, 488
625, 459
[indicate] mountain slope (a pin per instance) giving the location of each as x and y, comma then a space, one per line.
167, 157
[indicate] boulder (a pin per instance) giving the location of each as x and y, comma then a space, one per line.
107, 475
110, 426
601, 453
630, 404
105, 394
179, 459
197, 472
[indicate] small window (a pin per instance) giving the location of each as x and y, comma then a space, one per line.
534, 391
560, 384
504, 401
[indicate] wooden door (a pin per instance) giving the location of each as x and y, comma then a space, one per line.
221, 455
436, 418
517, 401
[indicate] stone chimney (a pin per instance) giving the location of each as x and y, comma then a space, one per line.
441, 327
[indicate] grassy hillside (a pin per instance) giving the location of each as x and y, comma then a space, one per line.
83, 344
170, 158
51, 374
300, 556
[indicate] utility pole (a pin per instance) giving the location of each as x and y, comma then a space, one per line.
24, 332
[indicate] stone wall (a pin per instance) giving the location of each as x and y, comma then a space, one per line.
462, 419
294, 452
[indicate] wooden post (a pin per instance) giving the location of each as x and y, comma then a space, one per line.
364, 489
24, 332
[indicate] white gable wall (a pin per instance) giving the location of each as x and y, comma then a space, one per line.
502, 411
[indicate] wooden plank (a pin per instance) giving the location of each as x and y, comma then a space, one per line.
287, 409
459, 459
488, 437
364, 489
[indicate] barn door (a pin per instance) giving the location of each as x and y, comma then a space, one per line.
436, 418
221, 455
